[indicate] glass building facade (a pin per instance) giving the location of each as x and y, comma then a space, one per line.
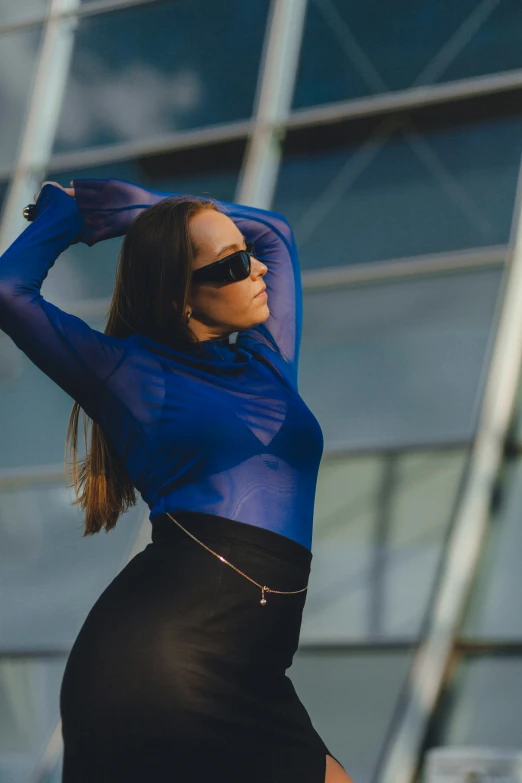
390, 135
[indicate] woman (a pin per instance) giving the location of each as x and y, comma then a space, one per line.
178, 673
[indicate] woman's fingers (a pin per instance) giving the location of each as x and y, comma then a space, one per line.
69, 191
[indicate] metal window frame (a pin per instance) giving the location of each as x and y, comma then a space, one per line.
378, 272
379, 105
52, 474
273, 102
93, 8
263, 133
402, 755
41, 119
406, 100
275, 89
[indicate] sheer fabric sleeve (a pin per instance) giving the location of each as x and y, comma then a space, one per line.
108, 206
79, 359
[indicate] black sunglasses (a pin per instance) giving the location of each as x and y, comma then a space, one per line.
227, 270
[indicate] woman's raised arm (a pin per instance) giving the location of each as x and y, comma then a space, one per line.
79, 359
108, 206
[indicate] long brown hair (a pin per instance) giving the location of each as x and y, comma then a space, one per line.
150, 298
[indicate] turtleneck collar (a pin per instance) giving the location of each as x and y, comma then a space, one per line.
219, 347
225, 341
215, 349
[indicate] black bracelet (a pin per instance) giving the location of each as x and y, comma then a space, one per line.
28, 212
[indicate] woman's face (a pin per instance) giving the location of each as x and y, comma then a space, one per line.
220, 308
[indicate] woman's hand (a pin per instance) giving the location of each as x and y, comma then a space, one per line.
29, 212
69, 191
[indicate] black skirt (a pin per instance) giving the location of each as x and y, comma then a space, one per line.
178, 673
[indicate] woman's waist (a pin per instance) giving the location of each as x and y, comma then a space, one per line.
236, 593
280, 503
173, 528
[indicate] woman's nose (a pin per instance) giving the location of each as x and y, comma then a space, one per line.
259, 269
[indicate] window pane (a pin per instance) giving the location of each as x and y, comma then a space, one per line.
155, 69
393, 364
210, 171
357, 49
19, 52
365, 191
351, 697
29, 712
495, 610
34, 410
482, 704
400, 362
14, 11
50, 576
379, 528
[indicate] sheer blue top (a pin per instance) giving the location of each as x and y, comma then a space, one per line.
219, 427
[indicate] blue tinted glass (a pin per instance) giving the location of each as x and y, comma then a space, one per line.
352, 697
160, 68
481, 706
13, 11
29, 712
358, 49
369, 547
495, 610
34, 411
370, 192
19, 53
208, 171
50, 575
494, 47
400, 362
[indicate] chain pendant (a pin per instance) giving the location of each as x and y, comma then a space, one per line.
220, 557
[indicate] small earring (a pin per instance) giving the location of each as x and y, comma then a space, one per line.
187, 319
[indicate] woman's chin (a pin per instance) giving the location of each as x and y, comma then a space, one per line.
265, 313
259, 316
